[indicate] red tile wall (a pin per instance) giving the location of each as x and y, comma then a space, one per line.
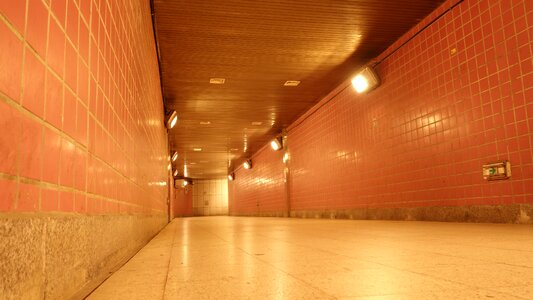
458, 95
80, 109
182, 206
260, 189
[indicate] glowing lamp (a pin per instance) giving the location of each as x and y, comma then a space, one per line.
172, 119
247, 164
365, 81
277, 143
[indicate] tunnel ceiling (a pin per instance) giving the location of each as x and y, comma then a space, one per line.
256, 46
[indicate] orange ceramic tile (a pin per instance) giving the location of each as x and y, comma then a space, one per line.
51, 151
33, 84
15, 12
67, 163
66, 202
71, 66
72, 22
83, 82
69, 113
59, 9
49, 200
55, 55
80, 169
31, 149
37, 30
54, 101
8, 193
11, 62
10, 122
85, 10
81, 124
29, 198
80, 203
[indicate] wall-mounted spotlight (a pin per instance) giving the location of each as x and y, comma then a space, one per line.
277, 143
231, 176
366, 80
172, 119
175, 156
186, 182
247, 164
175, 173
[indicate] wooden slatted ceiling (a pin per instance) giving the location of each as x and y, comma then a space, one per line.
256, 46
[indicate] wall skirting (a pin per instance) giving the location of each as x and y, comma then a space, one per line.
282, 214
67, 256
513, 213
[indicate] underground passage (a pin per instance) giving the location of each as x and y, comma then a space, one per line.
158, 149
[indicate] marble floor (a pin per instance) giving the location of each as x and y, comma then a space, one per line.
280, 258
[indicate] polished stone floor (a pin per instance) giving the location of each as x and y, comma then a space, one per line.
277, 258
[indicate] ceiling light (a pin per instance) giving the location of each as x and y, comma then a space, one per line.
185, 183
172, 119
234, 149
247, 164
366, 80
231, 177
291, 83
192, 163
175, 156
217, 80
205, 123
257, 123
277, 143
196, 149
175, 173
169, 167
285, 157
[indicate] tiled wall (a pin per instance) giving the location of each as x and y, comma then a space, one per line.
458, 95
80, 110
182, 206
261, 189
210, 197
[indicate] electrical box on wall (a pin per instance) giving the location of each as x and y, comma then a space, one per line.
497, 171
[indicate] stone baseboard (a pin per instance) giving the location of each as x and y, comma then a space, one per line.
513, 213
67, 256
282, 214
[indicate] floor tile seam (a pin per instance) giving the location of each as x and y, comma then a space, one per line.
484, 261
423, 294
371, 243
506, 293
469, 286
290, 275
514, 265
425, 275
175, 229
308, 247
514, 295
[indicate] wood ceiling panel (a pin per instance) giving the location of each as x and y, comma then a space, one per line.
256, 46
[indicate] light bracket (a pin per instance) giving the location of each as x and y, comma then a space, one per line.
366, 80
